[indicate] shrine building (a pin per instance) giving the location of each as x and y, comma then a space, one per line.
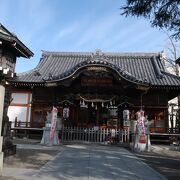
92, 89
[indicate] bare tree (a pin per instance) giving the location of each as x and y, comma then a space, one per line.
172, 52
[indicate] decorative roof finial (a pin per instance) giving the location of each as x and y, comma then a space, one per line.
162, 55
98, 54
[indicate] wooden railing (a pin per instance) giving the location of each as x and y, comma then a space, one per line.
173, 130
28, 124
164, 130
27, 129
95, 135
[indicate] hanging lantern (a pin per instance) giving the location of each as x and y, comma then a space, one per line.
102, 104
111, 103
92, 104
114, 102
83, 103
96, 107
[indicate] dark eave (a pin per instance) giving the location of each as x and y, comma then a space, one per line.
178, 61
13, 41
27, 84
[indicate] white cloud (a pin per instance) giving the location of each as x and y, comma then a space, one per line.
113, 32
129, 35
98, 30
68, 30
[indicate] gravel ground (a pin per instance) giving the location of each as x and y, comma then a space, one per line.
9, 178
28, 158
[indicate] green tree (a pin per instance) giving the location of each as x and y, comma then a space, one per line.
164, 14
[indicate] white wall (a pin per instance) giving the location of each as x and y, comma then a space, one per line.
19, 98
20, 107
173, 101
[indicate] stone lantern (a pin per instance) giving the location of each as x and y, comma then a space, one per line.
10, 48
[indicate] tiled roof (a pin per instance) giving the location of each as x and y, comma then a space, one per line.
139, 68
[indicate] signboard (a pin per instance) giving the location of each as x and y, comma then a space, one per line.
51, 84
89, 81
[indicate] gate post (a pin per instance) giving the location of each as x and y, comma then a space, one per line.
2, 93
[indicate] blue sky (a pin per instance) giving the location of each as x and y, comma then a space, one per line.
76, 25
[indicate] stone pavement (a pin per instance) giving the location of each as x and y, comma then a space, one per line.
90, 162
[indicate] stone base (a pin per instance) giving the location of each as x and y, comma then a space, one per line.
46, 140
1, 162
140, 147
9, 150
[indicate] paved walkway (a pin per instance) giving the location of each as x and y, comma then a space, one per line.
92, 162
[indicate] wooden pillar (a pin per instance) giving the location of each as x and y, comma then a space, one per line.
28, 108
97, 116
77, 115
166, 119
73, 115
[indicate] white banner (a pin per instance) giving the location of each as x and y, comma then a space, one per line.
53, 122
141, 127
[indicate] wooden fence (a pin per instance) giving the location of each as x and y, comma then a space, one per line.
95, 135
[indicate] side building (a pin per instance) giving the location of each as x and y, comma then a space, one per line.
10, 49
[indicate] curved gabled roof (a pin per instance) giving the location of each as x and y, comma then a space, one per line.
138, 68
